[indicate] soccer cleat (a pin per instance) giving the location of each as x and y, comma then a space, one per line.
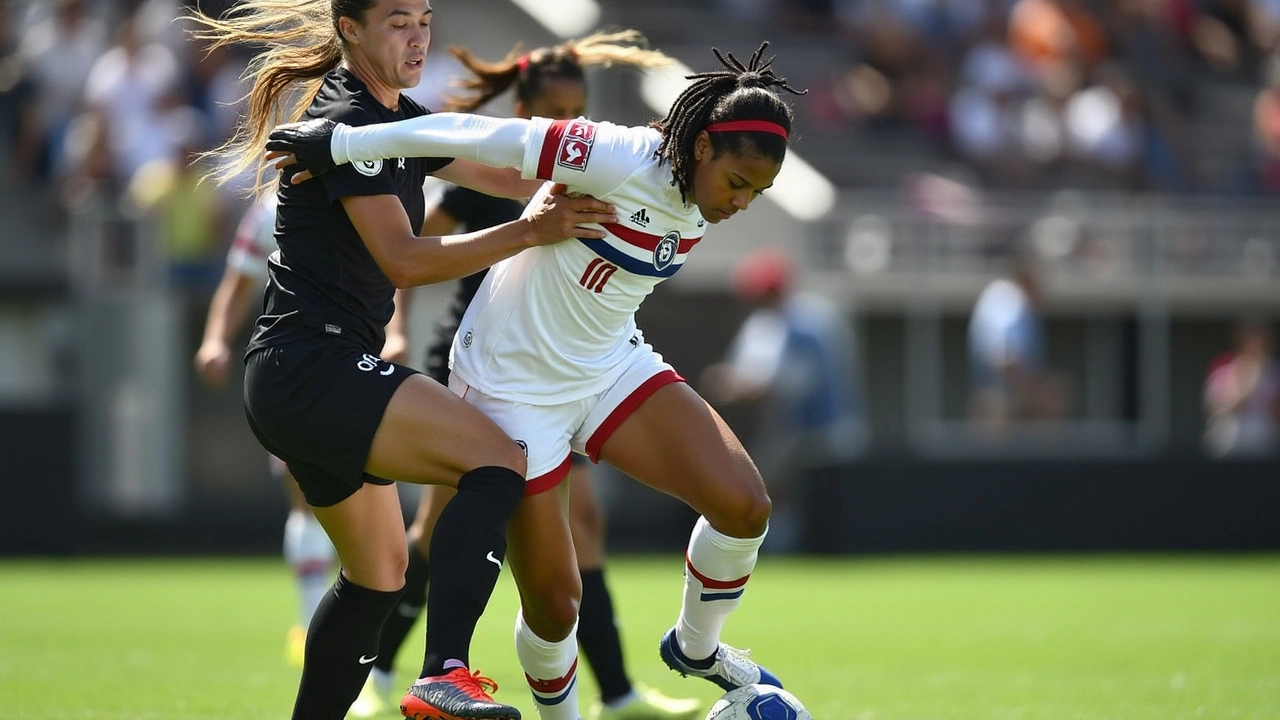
295, 646
649, 704
457, 695
372, 700
730, 668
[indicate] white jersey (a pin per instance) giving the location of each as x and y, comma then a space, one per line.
255, 239
554, 324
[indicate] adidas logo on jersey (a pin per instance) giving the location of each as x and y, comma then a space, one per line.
640, 217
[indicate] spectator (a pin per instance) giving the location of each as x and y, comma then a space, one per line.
128, 90
1052, 35
1105, 131
1264, 171
1007, 353
17, 101
796, 355
1242, 396
188, 215
991, 127
58, 52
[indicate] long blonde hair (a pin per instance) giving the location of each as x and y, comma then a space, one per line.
301, 44
527, 70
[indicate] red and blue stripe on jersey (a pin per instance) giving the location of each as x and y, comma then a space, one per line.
637, 252
568, 144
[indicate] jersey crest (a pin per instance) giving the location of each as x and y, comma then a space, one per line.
665, 252
575, 146
368, 168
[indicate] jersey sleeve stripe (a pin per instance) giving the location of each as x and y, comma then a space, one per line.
550, 149
646, 241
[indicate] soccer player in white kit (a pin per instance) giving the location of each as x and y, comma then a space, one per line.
549, 348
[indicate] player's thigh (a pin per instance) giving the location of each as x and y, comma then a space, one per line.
586, 516
434, 498
540, 553
675, 442
430, 435
366, 530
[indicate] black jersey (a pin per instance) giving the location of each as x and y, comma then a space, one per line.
323, 279
475, 211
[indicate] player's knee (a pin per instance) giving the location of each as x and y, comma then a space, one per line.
509, 454
551, 615
743, 514
396, 565
384, 573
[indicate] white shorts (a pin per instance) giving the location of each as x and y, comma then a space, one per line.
550, 433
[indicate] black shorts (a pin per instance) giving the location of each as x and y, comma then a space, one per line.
316, 404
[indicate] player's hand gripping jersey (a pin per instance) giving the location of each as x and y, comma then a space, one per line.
553, 324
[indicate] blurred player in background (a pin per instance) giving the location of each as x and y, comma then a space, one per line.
1242, 395
548, 82
306, 547
549, 347
795, 356
1008, 348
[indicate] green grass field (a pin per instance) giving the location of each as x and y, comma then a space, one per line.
865, 639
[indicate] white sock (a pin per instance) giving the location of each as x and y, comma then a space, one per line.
716, 571
309, 552
551, 669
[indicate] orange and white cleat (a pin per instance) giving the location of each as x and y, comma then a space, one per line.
459, 694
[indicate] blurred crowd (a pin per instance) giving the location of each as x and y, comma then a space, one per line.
1104, 94
1112, 94
111, 100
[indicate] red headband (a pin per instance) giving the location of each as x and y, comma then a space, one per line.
749, 126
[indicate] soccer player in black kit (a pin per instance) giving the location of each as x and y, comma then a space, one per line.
546, 82
317, 393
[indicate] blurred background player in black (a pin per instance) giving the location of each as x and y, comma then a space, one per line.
547, 82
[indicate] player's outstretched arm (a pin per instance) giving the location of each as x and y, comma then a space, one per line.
319, 145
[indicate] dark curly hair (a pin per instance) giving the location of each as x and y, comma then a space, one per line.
739, 92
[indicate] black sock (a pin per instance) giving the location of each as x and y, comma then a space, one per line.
467, 548
343, 633
406, 613
598, 636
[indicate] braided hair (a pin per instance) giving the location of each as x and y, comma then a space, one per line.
739, 92
529, 72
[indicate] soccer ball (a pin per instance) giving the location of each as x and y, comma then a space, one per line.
758, 702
